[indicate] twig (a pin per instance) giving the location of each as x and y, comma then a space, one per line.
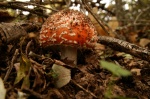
14, 6
29, 3
27, 47
37, 64
11, 65
140, 14
129, 25
32, 54
43, 57
68, 3
124, 46
52, 5
35, 94
29, 26
51, 2
53, 61
99, 22
84, 89
102, 24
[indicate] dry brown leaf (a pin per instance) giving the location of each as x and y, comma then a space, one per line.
143, 42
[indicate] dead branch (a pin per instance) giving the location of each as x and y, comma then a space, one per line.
10, 32
16, 6
124, 46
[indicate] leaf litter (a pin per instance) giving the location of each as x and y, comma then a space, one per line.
33, 75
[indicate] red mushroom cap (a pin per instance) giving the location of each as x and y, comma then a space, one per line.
68, 27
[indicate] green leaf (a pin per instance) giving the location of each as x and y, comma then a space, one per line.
23, 71
115, 69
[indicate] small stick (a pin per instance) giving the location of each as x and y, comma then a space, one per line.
52, 60
31, 92
11, 65
96, 18
27, 47
140, 14
84, 89
34, 62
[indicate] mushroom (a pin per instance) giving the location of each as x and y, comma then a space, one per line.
69, 29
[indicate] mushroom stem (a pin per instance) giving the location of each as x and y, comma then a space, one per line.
69, 53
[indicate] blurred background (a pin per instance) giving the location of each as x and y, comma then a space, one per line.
129, 18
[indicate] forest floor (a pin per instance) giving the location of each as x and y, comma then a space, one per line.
88, 79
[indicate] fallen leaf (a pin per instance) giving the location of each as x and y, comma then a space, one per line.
137, 71
23, 72
22, 95
39, 81
63, 75
2, 90
143, 42
26, 82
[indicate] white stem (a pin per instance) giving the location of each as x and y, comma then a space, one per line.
70, 53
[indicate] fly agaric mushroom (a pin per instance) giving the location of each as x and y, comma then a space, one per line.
70, 29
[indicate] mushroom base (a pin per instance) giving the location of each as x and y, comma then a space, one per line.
69, 53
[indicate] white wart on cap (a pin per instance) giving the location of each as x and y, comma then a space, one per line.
68, 27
